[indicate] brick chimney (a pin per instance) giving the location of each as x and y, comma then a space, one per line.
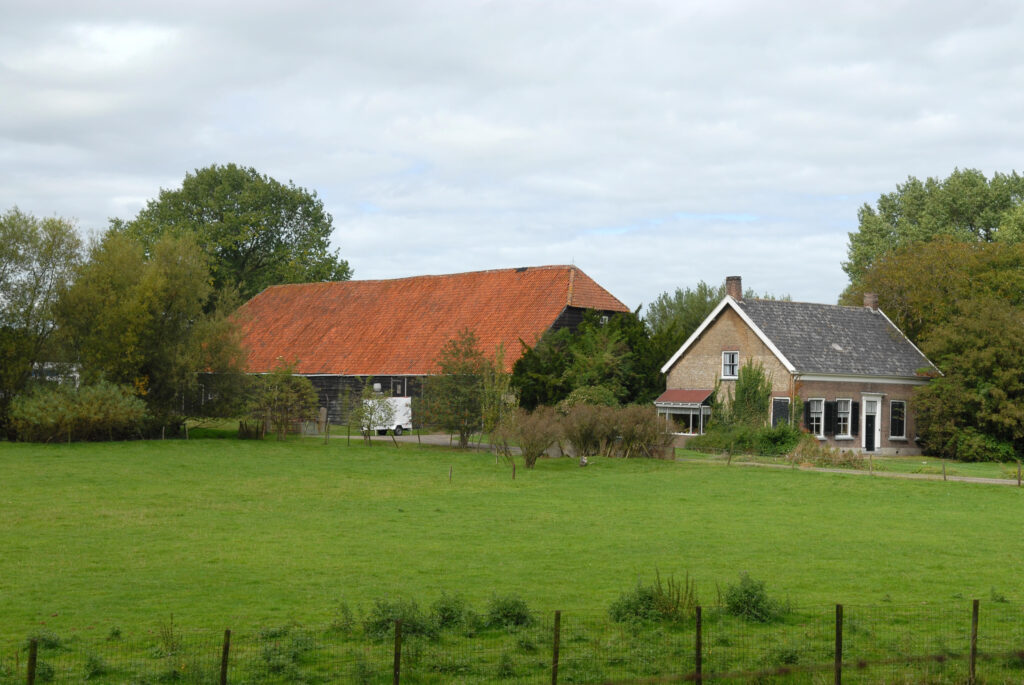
871, 300
734, 287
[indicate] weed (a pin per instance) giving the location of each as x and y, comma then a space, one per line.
343, 621
509, 611
997, 597
506, 666
45, 639
748, 599
449, 611
361, 672
95, 666
380, 621
44, 672
672, 601
114, 634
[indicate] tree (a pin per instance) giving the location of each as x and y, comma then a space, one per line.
284, 398
372, 410
922, 287
975, 411
453, 399
539, 373
37, 260
151, 321
256, 231
966, 205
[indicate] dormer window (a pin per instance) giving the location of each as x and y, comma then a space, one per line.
730, 364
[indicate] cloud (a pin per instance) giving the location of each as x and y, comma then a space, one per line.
654, 143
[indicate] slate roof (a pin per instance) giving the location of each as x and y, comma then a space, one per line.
398, 326
832, 339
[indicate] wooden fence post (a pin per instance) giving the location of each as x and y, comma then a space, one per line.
839, 644
398, 650
974, 643
33, 647
224, 658
698, 673
554, 650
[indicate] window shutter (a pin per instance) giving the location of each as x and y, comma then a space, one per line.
854, 418
830, 418
807, 415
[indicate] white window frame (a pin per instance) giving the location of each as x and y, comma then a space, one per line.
849, 417
904, 435
735, 364
820, 434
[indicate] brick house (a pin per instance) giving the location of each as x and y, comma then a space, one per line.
342, 333
853, 369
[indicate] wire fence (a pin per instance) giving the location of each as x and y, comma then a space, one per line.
960, 642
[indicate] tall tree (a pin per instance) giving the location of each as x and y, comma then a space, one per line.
454, 398
966, 205
37, 260
257, 232
150, 320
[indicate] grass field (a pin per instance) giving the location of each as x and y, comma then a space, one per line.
223, 532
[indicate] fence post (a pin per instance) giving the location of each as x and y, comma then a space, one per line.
554, 651
398, 650
974, 643
224, 658
697, 670
839, 644
33, 646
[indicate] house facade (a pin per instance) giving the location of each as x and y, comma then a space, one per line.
854, 371
342, 334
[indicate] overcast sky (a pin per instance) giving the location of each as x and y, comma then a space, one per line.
653, 144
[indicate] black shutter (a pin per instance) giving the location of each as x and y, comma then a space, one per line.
807, 415
830, 418
854, 418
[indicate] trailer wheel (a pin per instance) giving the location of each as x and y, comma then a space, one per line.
398, 430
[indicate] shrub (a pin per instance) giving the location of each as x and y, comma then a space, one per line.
45, 639
343, 621
509, 611
748, 599
95, 666
640, 433
536, 431
590, 429
449, 611
671, 601
380, 621
810, 450
969, 444
55, 413
598, 395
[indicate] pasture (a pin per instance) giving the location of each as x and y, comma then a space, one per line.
231, 533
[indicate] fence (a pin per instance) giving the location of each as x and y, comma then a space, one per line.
935, 643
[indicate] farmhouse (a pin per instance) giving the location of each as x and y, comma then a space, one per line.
852, 368
340, 334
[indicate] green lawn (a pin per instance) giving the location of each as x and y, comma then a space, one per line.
223, 532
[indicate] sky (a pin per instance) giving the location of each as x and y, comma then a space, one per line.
654, 144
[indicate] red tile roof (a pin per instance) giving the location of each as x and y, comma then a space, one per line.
677, 396
397, 327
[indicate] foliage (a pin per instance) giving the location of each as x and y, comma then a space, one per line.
449, 611
748, 599
975, 411
284, 398
37, 260
672, 601
53, 412
498, 400
922, 287
454, 398
742, 438
640, 433
535, 432
380, 620
966, 206
810, 450
256, 231
149, 320
589, 394
508, 611
616, 354
589, 428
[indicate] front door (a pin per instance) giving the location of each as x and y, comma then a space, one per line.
870, 423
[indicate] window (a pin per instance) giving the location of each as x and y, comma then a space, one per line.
730, 364
897, 419
816, 416
687, 420
780, 410
843, 418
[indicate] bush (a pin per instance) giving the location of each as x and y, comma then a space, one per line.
969, 444
509, 611
58, 413
810, 450
640, 432
380, 621
596, 395
449, 611
748, 599
671, 601
95, 666
45, 639
536, 431
590, 429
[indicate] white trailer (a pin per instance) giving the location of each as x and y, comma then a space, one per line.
397, 418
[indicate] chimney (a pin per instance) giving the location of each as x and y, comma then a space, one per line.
734, 287
871, 300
